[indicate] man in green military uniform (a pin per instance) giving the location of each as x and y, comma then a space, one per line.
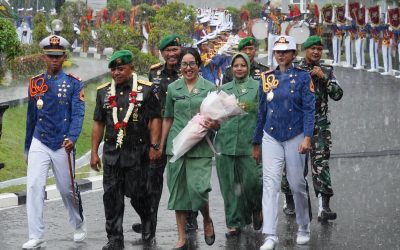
249, 46
326, 86
129, 114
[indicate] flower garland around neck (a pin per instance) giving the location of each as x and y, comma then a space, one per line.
121, 126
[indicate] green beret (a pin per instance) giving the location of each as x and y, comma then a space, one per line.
312, 40
170, 40
119, 58
247, 41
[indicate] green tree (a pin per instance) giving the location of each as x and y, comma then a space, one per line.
118, 35
115, 4
39, 27
9, 43
173, 18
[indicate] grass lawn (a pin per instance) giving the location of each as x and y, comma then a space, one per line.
12, 140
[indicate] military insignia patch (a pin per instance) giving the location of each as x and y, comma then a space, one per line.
54, 41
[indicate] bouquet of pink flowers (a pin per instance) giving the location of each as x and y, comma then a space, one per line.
217, 106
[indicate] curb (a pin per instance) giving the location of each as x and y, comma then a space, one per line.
8, 200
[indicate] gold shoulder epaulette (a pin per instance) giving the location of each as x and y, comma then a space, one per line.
103, 85
75, 77
37, 76
154, 66
143, 82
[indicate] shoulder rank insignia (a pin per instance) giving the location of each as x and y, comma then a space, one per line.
155, 66
103, 85
75, 77
143, 82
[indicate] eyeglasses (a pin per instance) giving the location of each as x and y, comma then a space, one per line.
190, 64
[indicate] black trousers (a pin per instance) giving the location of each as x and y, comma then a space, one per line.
154, 187
120, 182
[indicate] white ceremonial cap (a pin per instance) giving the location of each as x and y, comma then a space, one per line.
284, 43
54, 45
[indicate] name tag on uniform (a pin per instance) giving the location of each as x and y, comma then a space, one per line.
139, 96
180, 97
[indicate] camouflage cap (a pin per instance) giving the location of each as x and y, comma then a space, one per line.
119, 58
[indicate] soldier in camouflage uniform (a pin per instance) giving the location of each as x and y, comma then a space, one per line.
325, 86
247, 45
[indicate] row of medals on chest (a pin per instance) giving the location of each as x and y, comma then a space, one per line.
62, 92
139, 99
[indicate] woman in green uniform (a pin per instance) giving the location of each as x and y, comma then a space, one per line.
188, 178
238, 173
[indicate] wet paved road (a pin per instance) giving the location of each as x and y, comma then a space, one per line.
367, 190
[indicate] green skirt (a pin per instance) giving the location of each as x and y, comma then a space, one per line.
188, 181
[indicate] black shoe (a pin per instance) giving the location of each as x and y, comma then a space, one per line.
257, 220
210, 239
289, 209
191, 222
147, 234
233, 233
114, 245
326, 213
137, 228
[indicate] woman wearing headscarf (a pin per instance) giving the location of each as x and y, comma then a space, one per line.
238, 173
285, 125
188, 178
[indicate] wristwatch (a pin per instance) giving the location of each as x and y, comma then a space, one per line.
156, 146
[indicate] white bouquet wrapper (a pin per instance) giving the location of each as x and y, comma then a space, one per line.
216, 106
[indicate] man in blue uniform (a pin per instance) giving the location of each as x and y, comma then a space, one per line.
54, 121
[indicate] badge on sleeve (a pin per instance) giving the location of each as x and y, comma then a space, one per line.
312, 88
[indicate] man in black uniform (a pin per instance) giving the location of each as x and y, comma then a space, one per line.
249, 46
129, 112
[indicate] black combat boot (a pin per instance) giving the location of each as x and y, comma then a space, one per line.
289, 209
326, 213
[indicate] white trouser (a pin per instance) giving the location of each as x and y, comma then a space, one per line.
336, 49
348, 43
360, 46
274, 155
398, 50
387, 58
39, 159
271, 58
373, 53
